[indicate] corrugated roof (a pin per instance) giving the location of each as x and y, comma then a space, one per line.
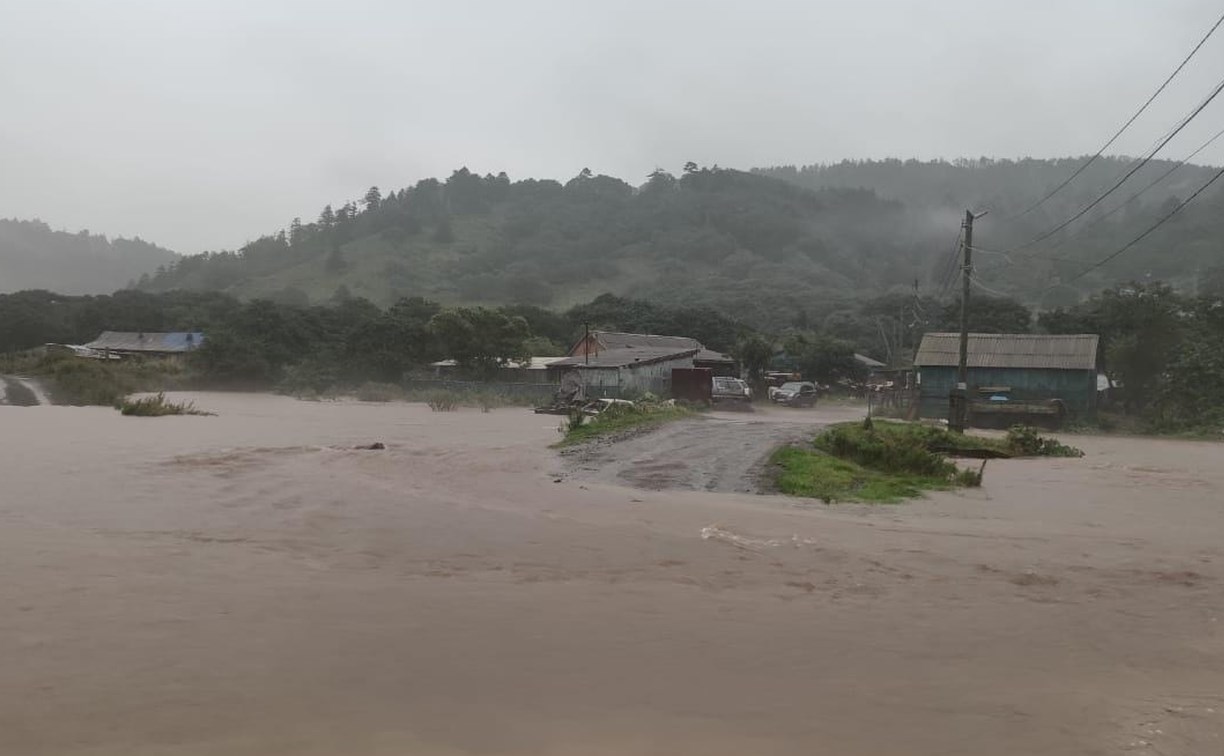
1011, 350
869, 362
615, 358
620, 340
148, 341
535, 363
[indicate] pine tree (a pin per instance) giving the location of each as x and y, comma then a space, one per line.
372, 199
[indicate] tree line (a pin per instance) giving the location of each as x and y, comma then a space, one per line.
1165, 349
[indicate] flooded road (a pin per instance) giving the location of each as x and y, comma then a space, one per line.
252, 583
718, 451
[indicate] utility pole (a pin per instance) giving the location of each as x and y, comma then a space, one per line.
959, 404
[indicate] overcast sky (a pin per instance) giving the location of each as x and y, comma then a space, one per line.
201, 124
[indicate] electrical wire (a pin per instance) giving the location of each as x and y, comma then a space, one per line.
1058, 243
949, 274
1134, 169
1150, 229
1125, 126
978, 283
1106, 216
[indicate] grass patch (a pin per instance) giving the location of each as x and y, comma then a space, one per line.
815, 475
885, 462
157, 406
79, 381
619, 418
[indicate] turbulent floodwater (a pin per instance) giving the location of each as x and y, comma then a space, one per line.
251, 583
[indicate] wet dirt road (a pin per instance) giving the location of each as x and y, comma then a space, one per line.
719, 451
252, 584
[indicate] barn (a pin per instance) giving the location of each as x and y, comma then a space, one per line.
1022, 366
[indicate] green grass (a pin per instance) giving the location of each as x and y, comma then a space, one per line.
78, 381
157, 406
813, 474
886, 462
620, 419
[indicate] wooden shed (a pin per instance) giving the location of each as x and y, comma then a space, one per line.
1024, 366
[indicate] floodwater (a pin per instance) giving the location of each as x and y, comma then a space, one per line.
251, 583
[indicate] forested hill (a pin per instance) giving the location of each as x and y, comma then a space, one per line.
764, 247
752, 245
32, 256
1189, 243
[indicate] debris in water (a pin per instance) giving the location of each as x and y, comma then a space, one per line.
377, 445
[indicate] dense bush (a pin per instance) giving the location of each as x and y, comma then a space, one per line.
157, 406
1023, 441
890, 447
72, 380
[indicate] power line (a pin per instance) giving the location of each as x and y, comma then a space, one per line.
1122, 205
1134, 169
1133, 197
978, 283
1150, 229
949, 274
1125, 126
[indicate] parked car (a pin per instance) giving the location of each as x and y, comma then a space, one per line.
731, 391
796, 394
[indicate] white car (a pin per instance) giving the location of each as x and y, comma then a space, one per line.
733, 391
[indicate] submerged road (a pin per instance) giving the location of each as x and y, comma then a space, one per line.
20, 392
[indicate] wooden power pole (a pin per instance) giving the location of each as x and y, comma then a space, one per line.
959, 405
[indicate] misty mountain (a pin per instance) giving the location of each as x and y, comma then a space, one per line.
32, 256
767, 245
1011, 191
753, 244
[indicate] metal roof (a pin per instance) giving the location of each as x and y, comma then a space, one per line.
867, 361
1011, 350
622, 340
156, 343
535, 363
618, 358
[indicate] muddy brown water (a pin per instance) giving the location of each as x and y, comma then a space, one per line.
251, 583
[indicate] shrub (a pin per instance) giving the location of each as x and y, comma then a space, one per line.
79, 381
618, 418
157, 406
1024, 441
971, 478
443, 401
887, 447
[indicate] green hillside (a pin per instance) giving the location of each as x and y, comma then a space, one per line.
766, 246
711, 236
